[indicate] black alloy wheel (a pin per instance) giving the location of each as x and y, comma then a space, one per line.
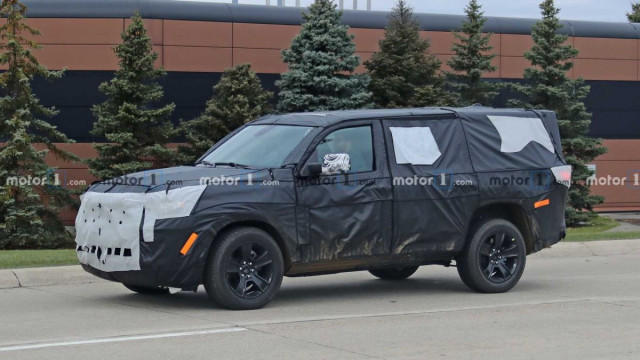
499, 256
250, 270
494, 257
244, 269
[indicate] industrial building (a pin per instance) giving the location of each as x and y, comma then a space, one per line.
196, 41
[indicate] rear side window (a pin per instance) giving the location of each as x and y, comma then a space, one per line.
426, 147
414, 145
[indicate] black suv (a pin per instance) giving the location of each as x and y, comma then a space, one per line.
314, 193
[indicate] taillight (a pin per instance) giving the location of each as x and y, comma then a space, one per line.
562, 174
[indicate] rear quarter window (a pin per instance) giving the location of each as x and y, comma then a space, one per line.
509, 141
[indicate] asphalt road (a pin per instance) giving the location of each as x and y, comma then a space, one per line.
563, 308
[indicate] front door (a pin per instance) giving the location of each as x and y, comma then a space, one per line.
349, 215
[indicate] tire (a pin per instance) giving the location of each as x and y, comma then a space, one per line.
494, 258
244, 269
147, 290
394, 273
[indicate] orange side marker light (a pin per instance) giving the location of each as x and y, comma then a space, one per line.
541, 203
189, 243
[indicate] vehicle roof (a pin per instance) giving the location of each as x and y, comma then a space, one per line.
328, 118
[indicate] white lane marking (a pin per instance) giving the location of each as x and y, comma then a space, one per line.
119, 339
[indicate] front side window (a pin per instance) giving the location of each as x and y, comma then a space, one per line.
259, 146
357, 142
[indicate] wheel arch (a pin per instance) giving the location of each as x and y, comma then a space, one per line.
262, 225
512, 212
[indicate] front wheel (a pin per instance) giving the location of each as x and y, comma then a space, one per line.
244, 270
494, 258
394, 273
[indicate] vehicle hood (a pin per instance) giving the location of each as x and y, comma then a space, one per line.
176, 177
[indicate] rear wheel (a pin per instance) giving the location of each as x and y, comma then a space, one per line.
394, 273
244, 270
494, 258
144, 290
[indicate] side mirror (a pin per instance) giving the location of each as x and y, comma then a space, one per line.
332, 164
312, 169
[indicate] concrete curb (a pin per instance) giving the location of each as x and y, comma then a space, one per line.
591, 248
69, 275
45, 276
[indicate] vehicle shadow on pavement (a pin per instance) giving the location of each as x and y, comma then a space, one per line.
367, 289
295, 291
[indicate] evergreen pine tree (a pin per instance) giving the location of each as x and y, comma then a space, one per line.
238, 98
321, 63
634, 15
28, 210
136, 129
547, 86
403, 73
471, 61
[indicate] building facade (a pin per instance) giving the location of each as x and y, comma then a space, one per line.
196, 41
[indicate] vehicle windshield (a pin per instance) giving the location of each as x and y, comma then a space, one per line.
258, 146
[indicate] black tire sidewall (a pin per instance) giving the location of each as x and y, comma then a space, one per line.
215, 281
469, 263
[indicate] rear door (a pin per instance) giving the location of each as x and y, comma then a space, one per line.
346, 216
434, 188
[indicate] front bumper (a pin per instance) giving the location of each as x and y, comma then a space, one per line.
161, 262
137, 237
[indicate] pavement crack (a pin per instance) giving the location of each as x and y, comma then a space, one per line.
412, 313
589, 299
139, 307
588, 248
613, 303
17, 278
314, 343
